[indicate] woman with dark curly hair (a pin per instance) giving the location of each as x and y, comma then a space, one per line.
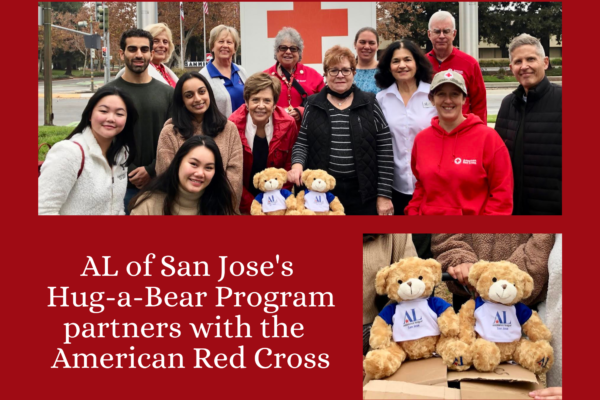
405, 76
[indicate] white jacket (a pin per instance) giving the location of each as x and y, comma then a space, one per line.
98, 190
551, 311
221, 94
155, 74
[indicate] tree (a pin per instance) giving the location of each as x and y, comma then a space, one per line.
218, 13
121, 17
411, 20
500, 22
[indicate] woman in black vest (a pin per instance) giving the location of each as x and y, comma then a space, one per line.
344, 132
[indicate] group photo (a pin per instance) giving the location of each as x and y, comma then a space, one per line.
383, 118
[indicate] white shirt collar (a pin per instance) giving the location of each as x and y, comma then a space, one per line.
251, 130
393, 89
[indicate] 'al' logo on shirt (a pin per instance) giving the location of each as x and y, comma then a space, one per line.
411, 319
500, 321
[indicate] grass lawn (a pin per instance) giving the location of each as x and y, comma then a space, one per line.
491, 119
51, 135
510, 78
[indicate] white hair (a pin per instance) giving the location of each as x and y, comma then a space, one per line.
525, 39
442, 16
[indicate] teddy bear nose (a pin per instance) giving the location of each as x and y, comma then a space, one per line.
504, 286
409, 284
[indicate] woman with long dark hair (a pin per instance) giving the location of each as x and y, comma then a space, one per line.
86, 174
195, 113
405, 76
195, 183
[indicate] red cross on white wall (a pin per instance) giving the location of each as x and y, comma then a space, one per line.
312, 23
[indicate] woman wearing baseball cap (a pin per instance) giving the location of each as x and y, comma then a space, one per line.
461, 165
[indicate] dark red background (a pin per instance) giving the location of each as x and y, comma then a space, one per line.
326, 252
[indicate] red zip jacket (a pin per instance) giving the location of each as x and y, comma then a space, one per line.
285, 134
468, 67
464, 172
311, 81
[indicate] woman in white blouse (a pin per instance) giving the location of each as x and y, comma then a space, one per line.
405, 76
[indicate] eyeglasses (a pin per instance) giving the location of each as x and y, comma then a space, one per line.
134, 49
344, 71
437, 32
293, 49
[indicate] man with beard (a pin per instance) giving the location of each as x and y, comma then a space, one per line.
444, 56
152, 100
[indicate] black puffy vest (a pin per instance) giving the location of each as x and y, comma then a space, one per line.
541, 191
362, 130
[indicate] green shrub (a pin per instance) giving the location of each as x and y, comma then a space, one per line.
494, 62
556, 61
179, 71
51, 135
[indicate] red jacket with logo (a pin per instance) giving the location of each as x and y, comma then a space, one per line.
311, 81
464, 172
285, 134
468, 67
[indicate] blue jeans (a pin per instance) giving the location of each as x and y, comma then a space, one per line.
129, 194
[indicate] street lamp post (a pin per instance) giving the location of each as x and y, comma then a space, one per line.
48, 115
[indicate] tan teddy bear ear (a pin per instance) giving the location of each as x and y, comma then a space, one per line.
527, 283
330, 180
436, 268
476, 270
282, 175
380, 280
256, 180
305, 176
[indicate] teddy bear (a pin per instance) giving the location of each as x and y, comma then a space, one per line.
316, 198
416, 324
274, 200
492, 323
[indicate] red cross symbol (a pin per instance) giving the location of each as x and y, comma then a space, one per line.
312, 23
448, 75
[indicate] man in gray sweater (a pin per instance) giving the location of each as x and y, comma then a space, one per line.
152, 100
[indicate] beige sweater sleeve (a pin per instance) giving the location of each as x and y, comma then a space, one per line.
402, 247
167, 147
235, 162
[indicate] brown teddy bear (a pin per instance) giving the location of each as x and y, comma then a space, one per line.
316, 199
274, 200
412, 326
492, 323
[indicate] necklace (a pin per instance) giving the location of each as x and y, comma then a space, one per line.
339, 103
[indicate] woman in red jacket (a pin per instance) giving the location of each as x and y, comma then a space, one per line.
267, 132
298, 81
462, 166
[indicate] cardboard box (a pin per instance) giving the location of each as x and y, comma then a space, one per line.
507, 381
428, 379
380, 389
430, 371
497, 390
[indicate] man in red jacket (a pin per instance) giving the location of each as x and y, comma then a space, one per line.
444, 56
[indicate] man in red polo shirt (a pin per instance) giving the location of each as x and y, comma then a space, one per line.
444, 56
